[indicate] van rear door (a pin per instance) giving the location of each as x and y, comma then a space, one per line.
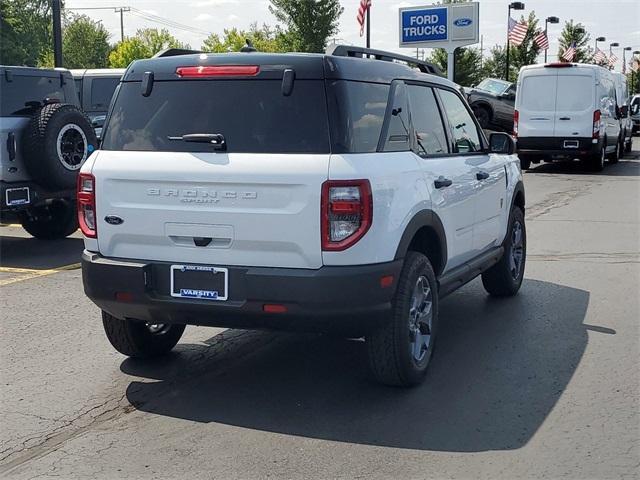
575, 96
537, 103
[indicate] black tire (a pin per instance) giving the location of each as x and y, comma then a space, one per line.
525, 163
483, 115
596, 162
505, 277
51, 222
614, 157
628, 145
392, 358
136, 339
54, 127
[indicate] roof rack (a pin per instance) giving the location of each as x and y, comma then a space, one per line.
173, 52
360, 52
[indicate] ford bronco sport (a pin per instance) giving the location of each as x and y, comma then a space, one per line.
44, 139
307, 192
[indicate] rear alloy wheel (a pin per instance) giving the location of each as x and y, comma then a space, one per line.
400, 349
525, 163
505, 277
596, 162
483, 116
138, 339
617, 154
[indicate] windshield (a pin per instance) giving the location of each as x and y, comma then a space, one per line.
494, 86
253, 116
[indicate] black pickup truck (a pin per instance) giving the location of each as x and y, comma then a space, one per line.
492, 102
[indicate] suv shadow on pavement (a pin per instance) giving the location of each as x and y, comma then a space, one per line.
31, 253
500, 369
628, 167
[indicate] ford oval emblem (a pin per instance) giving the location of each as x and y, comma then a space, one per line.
113, 220
463, 22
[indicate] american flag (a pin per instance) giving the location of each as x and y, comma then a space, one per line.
600, 57
612, 60
362, 11
541, 40
570, 52
517, 31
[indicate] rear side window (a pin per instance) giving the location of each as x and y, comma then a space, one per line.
357, 113
538, 93
465, 132
397, 128
25, 88
427, 122
252, 115
101, 91
575, 93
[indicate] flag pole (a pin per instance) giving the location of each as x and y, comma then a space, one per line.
369, 27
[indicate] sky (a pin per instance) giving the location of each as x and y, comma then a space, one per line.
617, 20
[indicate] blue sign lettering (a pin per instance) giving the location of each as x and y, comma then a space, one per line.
424, 25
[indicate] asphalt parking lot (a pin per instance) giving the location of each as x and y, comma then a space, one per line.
542, 385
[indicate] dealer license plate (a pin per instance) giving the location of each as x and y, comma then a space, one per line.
199, 282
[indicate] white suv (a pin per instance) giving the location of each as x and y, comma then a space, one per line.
298, 192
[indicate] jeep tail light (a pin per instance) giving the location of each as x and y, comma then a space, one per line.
596, 125
218, 71
347, 213
516, 117
87, 204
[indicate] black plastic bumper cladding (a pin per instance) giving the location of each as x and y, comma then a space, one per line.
315, 299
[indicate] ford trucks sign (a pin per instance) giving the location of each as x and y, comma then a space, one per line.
445, 26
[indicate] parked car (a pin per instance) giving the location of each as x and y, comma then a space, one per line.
623, 102
44, 140
492, 103
634, 109
299, 192
567, 111
95, 88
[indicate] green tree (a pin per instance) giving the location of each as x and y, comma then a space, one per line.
144, 44
467, 70
25, 31
576, 32
310, 22
496, 63
85, 43
127, 51
264, 39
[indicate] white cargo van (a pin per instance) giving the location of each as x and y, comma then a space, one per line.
567, 111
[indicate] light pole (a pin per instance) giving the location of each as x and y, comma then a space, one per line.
611, 45
514, 6
546, 21
600, 39
624, 59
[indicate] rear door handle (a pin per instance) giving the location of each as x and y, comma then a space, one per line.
482, 175
11, 146
441, 182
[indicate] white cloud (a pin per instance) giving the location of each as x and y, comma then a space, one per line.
203, 17
233, 18
213, 3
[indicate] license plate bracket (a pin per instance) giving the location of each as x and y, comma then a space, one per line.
200, 282
571, 144
17, 196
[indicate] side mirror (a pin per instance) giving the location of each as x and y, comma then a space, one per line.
501, 143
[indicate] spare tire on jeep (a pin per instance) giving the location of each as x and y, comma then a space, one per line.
57, 141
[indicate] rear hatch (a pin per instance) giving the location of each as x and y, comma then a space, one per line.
575, 94
254, 202
536, 102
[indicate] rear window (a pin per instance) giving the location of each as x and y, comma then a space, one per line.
101, 92
23, 89
252, 115
575, 93
538, 93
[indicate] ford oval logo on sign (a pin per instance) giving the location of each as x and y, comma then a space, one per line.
463, 22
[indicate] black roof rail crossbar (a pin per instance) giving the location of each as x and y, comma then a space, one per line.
360, 52
173, 52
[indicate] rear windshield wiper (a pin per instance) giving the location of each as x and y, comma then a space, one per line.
215, 139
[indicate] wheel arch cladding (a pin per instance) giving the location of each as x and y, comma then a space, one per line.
518, 196
425, 234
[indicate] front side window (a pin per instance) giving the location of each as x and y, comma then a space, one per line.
430, 137
465, 132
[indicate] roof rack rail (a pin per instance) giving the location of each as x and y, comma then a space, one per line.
360, 52
173, 52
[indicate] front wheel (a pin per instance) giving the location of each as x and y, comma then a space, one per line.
399, 350
50, 222
138, 339
505, 277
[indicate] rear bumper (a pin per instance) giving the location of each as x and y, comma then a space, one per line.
37, 196
316, 300
558, 147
